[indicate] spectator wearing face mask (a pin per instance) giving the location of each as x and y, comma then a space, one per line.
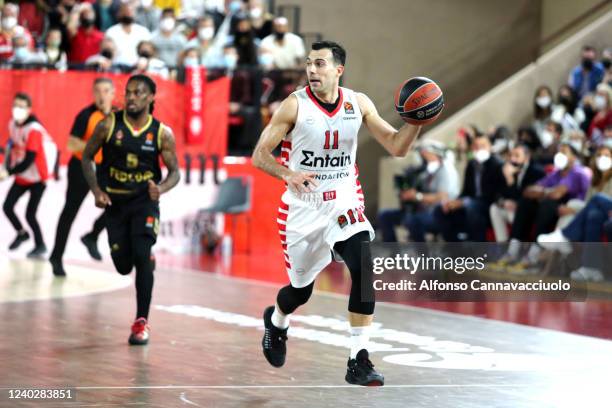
602, 102
31, 155
167, 40
549, 142
437, 181
85, 38
103, 61
22, 54
127, 35
106, 13
564, 111
10, 29
148, 63
585, 77
539, 206
468, 216
599, 183
589, 222
542, 108
245, 42
148, 15
286, 48
261, 20
519, 173
51, 54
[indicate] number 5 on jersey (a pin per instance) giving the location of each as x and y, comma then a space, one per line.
328, 135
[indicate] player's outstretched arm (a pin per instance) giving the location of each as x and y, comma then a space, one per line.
168, 154
95, 143
396, 142
280, 125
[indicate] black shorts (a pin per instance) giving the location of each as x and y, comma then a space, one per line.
128, 218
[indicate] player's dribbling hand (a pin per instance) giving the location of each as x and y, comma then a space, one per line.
102, 199
154, 192
302, 182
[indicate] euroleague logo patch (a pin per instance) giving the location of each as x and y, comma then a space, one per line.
342, 221
348, 108
149, 138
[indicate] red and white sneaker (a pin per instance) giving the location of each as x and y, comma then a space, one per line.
140, 332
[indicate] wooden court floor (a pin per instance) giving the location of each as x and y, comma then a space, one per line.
205, 349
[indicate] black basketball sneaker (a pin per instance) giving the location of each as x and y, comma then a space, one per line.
274, 339
360, 371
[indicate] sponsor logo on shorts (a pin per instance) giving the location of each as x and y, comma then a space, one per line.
348, 108
300, 271
342, 221
329, 195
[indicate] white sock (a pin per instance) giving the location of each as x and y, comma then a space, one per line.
534, 254
514, 248
280, 320
360, 337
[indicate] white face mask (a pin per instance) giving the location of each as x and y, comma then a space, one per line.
256, 12
546, 138
600, 102
8, 23
167, 24
543, 101
19, 114
231, 60
603, 163
560, 161
432, 167
206, 33
482, 155
146, 3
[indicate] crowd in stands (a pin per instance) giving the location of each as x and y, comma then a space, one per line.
537, 189
161, 38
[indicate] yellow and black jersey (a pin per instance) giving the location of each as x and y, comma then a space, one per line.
130, 157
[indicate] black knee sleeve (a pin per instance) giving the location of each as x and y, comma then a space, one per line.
351, 252
290, 298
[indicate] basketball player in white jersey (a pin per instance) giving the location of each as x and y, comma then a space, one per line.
321, 213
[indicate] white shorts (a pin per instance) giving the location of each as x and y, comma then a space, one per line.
311, 224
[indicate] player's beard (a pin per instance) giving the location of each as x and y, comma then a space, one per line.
135, 114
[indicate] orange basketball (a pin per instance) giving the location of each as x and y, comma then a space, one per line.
419, 101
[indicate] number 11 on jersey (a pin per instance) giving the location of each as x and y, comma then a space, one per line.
328, 140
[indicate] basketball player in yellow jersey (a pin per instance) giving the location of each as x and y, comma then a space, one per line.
128, 186
322, 210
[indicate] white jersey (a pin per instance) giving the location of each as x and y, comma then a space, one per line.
310, 224
326, 143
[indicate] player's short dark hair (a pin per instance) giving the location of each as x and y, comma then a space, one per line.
104, 80
338, 52
145, 80
22, 96
588, 47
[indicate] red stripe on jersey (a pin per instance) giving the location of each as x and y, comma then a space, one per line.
287, 264
316, 102
282, 216
282, 227
284, 206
